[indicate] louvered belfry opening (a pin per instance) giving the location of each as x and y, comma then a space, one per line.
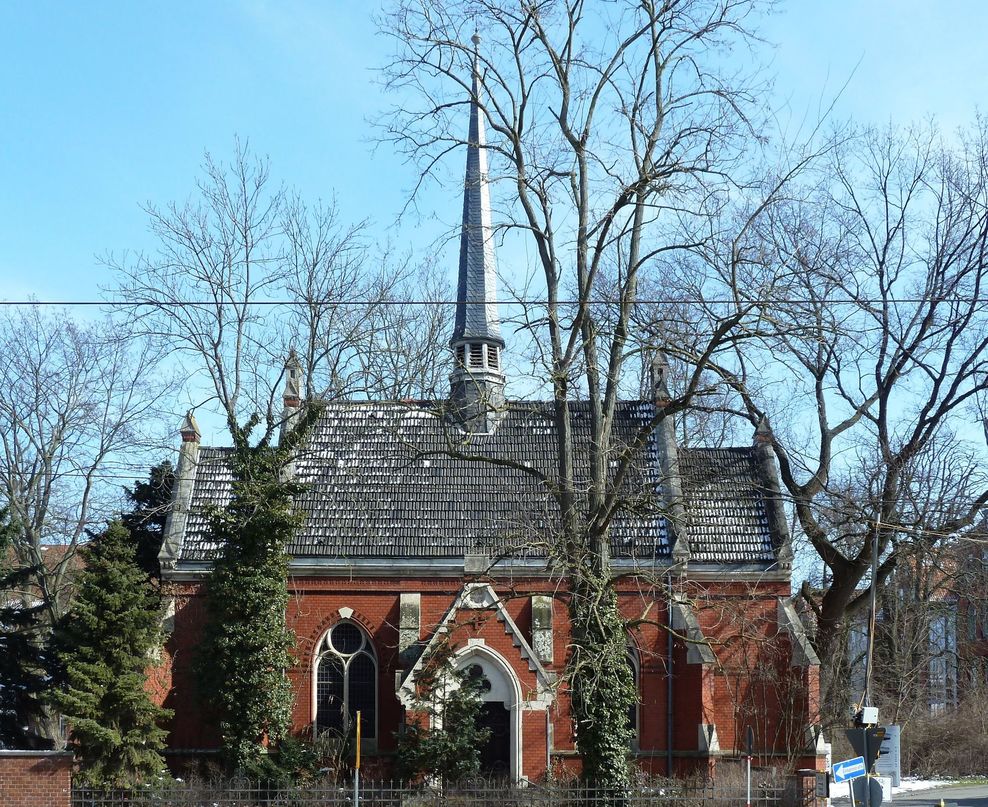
476, 355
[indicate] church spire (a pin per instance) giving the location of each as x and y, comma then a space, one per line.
477, 383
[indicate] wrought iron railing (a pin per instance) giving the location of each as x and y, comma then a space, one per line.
387, 794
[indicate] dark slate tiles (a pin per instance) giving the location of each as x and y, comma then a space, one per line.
212, 489
395, 480
725, 507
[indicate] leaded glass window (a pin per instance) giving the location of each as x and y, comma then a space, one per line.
346, 682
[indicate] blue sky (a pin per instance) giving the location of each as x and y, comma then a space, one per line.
108, 105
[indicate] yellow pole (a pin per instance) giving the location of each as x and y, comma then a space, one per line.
358, 739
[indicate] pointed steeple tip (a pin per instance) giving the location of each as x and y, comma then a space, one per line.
189, 429
477, 317
763, 431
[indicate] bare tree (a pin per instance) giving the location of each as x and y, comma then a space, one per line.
77, 409
325, 264
367, 321
246, 271
768, 694
924, 632
406, 331
881, 359
620, 142
202, 295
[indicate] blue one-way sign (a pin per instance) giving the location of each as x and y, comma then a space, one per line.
849, 769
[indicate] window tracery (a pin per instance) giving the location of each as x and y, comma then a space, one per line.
346, 681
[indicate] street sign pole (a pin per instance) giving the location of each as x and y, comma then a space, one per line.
872, 613
748, 802
750, 741
356, 768
867, 788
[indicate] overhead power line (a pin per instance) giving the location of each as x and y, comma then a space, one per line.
510, 302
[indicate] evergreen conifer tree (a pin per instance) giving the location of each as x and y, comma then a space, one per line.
23, 654
104, 643
449, 748
150, 502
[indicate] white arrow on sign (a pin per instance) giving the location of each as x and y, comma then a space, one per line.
849, 769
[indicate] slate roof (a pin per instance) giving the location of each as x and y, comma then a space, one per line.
476, 310
394, 480
725, 506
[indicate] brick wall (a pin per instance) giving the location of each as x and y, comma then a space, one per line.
740, 619
35, 778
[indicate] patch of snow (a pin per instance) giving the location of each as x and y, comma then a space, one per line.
838, 792
910, 783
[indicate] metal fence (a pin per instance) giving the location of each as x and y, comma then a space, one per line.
376, 794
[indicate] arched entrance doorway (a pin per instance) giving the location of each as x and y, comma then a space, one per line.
495, 716
500, 755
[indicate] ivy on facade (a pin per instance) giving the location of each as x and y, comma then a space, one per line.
247, 647
601, 682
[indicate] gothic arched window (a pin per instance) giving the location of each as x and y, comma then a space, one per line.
346, 681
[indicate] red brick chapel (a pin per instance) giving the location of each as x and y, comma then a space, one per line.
409, 540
